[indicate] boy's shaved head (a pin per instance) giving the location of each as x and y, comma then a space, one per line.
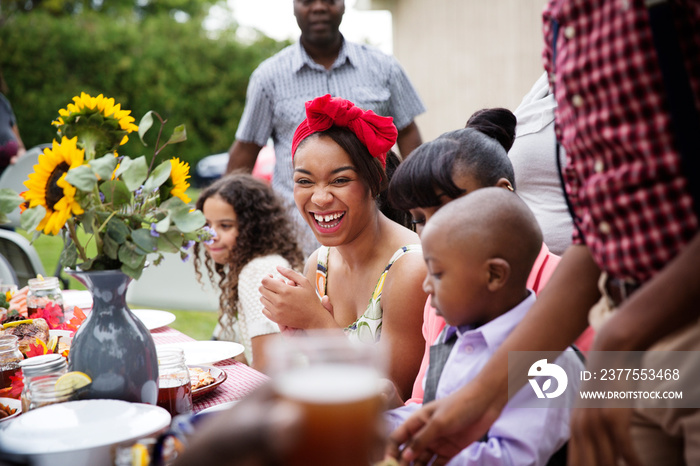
494, 220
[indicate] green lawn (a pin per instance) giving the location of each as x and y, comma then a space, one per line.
196, 324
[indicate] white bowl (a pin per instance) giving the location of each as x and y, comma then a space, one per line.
80, 432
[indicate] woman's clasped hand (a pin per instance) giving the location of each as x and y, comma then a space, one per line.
293, 302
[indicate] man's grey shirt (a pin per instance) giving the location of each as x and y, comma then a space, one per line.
281, 85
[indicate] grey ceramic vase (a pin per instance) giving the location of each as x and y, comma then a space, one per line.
112, 345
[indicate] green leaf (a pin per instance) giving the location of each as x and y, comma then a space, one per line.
165, 245
118, 230
133, 172
110, 247
174, 204
69, 256
144, 240
104, 166
187, 221
163, 225
131, 256
159, 176
87, 265
87, 219
82, 177
145, 124
116, 193
179, 135
185, 218
133, 272
9, 200
31, 218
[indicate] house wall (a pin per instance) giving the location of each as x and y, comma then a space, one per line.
463, 55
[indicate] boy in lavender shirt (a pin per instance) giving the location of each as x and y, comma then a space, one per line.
479, 250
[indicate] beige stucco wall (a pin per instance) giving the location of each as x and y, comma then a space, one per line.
463, 55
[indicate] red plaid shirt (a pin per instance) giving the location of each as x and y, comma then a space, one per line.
623, 173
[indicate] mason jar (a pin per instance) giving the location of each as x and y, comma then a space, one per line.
43, 392
43, 291
10, 358
174, 387
39, 367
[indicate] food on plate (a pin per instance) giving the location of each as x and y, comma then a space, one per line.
200, 377
6, 411
28, 331
14, 303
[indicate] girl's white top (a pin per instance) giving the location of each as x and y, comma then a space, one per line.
251, 322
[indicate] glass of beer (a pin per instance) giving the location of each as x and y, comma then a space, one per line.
336, 382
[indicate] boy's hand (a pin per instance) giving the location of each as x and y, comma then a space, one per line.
443, 428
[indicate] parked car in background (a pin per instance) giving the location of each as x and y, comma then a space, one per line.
213, 167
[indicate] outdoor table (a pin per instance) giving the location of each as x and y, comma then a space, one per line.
240, 378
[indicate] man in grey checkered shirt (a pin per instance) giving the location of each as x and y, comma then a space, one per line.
322, 62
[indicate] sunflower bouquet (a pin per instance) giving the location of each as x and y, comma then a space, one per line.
85, 191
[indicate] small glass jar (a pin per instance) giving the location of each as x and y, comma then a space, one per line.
43, 291
10, 358
174, 387
43, 392
37, 368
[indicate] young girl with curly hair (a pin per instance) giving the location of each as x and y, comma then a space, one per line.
253, 237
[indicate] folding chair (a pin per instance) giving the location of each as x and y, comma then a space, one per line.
21, 255
7, 274
15, 175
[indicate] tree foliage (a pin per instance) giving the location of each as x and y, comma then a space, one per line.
114, 8
150, 63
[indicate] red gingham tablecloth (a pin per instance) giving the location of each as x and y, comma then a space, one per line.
240, 379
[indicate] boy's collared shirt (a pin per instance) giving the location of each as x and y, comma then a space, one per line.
520, 436
475, 346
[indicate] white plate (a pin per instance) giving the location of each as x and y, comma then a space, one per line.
13, 404
80, 425
78, 298
154, 319
221, 407
206, 352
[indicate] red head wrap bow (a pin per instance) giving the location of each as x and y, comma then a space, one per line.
376, 132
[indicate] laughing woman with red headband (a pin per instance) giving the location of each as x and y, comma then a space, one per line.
369, 269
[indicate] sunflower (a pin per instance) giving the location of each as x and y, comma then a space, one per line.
179, 173
101, 125
47, 186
